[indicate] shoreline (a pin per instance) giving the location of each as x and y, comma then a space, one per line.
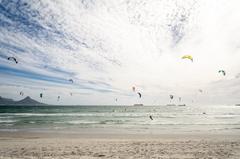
95, 135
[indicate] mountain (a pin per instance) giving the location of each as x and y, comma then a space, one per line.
6, 101
26, 101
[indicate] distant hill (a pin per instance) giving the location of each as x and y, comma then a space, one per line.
6, 101
26, 101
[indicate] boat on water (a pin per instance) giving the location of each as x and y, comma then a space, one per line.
237, 104
137, 104
181, 105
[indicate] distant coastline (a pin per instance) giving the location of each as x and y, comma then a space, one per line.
26, 101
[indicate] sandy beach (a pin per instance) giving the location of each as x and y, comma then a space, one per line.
63, 145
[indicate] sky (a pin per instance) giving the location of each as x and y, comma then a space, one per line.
106, 47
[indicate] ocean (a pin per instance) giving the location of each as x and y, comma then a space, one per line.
121, 119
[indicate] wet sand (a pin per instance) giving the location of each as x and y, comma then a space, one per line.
85, 146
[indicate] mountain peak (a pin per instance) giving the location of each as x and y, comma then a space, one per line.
28, 97
29, 101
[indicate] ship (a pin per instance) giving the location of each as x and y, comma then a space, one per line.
137, 104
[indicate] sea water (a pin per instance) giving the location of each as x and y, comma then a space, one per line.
123, 119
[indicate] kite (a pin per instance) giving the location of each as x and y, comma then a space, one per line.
151, 117
180, 99
140, 95
133, 88
13, 59
222, 71
188, 57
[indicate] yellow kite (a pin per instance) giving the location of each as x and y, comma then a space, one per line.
188, 57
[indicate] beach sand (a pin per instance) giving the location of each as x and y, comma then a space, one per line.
68, 146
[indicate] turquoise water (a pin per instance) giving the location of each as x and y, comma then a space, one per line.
166, 119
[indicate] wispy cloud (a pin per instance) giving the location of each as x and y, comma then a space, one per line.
107, 47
